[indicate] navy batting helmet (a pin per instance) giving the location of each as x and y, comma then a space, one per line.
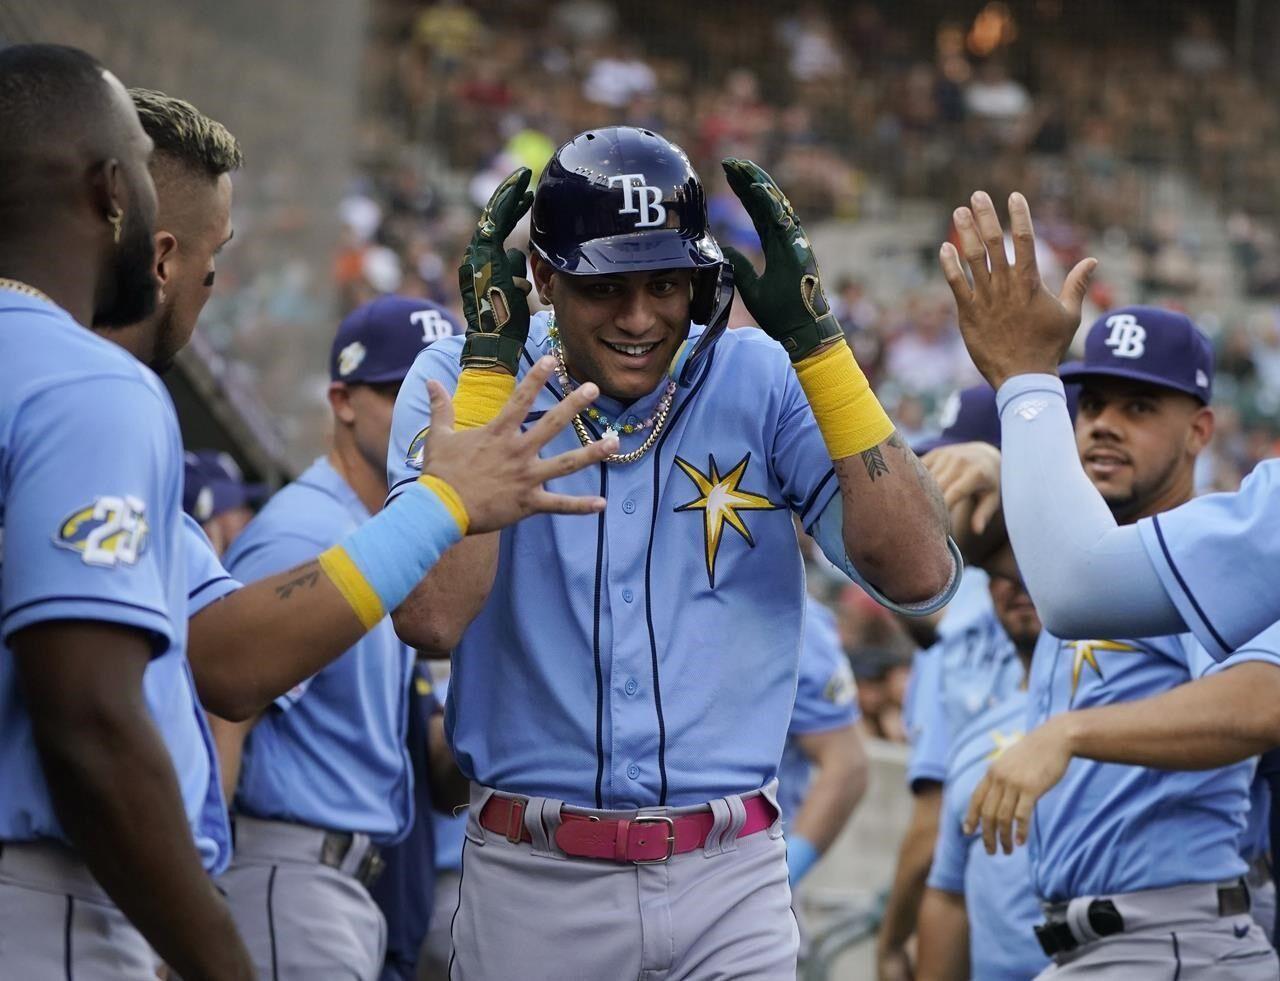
620, 200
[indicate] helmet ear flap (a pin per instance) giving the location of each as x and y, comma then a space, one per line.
712, 286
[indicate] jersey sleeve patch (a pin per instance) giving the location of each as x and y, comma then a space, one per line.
111, 531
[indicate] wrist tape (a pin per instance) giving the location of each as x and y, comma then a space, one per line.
849, 415
379, 564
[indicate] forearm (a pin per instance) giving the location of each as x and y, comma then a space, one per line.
1087, 576
914, 858
895, 522
228, 742
943, 943
117, 797
449, 788
1212, 722
837, 787
442, 606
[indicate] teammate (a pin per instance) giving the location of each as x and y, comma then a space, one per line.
118, 764
1207, 566
999, 932
325, 778
621, 697
969, 666
215, 494
823, 736
105, 811
1148, 881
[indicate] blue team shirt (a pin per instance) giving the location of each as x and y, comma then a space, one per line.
826, 699
92, 529
971, 667
648, 655
1217, 557
1003, 908
331, 752
1108, 828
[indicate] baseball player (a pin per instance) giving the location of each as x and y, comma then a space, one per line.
970, 667
113, 795
823, 737
215, 494
999, 934
107, 820
1148, 879
1206, 566
621, 687
325, 778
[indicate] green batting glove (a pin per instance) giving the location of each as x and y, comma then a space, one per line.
494, 283
787, 300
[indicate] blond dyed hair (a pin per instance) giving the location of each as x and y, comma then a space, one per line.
185, 135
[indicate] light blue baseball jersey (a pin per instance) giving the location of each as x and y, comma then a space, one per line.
971, 667
92, 529
449, 829
1003, 908
331, 752
1217, 557
647, 655
826, 699
1107, 828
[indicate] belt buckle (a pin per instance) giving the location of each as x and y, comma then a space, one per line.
515, 819
671, 837
371, 867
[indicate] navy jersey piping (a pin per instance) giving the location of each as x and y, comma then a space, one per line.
1186, 590
813, 498
595, 641
83, 599
206, 584
648, 568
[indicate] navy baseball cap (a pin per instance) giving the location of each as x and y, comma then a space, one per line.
378, 342
212, 483
1148, 344
968, 416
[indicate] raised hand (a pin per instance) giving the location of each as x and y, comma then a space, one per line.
1011, 323
496, 470
494, 283
786, 300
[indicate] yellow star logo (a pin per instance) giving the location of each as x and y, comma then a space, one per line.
720, 499
1002, 741
1086, 652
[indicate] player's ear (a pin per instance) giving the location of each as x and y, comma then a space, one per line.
1201, 430
542, 276
340, 402
166, 257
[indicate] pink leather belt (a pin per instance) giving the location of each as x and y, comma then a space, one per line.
642, 840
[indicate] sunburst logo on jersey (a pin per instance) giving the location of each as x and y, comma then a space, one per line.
1001, 741
720, 499
1086, 652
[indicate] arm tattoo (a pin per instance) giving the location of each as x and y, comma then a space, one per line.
922, 475
307, 576
873, 460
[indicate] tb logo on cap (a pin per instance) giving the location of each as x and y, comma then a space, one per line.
1128, 338
639, 198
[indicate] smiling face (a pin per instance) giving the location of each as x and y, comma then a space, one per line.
1138, 443
619, 331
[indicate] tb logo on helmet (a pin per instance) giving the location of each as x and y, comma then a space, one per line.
1128, 338
651, 210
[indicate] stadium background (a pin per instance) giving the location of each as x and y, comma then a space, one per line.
1146, 132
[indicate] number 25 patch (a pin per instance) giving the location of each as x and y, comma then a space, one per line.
110, 531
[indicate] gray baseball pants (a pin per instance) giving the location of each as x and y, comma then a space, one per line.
301, 919
437, 948
1170, 933
57, 922
530, 911
1262, 893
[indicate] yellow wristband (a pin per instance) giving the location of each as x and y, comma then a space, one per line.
849, 415
480, 396
449, 498
353, 586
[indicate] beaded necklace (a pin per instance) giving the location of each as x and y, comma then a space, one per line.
612, 427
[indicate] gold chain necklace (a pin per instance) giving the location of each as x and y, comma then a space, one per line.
24, 289
584, 435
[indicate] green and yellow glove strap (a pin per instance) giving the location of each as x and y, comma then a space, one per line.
849, 415
480, 396
378, 565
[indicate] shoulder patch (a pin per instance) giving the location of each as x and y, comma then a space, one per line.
416, 446
111, 531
